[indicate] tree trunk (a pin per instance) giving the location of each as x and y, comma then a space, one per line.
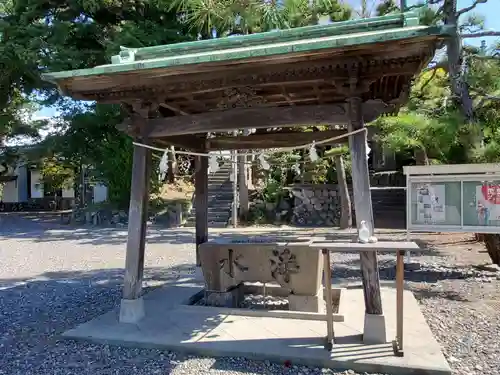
471, 136
345, 200
456, 70
172, 166
492, 242
421, 157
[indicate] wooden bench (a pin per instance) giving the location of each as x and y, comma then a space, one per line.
400, 248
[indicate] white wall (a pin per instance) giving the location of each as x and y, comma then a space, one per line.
10, 192
68, 193
100, 193
36, 185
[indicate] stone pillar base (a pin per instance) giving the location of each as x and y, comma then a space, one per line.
315, 304
374, 330
131, 310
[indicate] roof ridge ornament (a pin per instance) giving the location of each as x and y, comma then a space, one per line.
126, 55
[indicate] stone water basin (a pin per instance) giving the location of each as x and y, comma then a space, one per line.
294, 265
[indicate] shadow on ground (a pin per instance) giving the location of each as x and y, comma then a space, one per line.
46, 228
111, 277
34, 313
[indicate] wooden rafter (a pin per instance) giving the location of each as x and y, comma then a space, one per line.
286, 95
174, 108
292, 74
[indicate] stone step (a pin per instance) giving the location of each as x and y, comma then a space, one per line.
222, 196
219, 189
389, 199
219, 200
216, 217
218, 211
210, 225
388, 206
223, 216
210, 220
388, 211
388, 203
216, 206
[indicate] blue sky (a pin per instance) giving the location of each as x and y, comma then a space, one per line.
489, 10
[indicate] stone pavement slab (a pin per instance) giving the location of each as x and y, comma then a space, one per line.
172, 325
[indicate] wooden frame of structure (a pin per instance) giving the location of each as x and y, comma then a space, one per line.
342, 73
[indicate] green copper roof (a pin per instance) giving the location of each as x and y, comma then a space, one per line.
277, 36
303, 39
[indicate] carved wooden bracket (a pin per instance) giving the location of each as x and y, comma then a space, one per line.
353, 84
240, 97
139, 113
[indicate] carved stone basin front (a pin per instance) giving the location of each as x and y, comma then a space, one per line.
295, 266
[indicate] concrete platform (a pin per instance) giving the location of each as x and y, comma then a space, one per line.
171, 325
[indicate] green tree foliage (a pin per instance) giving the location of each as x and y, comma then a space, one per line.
43, 35
387, 7
462, 97
229, 17
468, 108
55, 174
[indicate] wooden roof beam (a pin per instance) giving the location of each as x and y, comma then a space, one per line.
188, 142
272, 140
255, 118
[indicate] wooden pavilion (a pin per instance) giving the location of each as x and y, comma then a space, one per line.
342, 73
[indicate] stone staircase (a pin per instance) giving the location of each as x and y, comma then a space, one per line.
220, 198
389, 207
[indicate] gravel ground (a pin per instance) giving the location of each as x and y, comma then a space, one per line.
52, 279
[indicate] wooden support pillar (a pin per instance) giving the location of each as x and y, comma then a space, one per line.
345, 200
172, 165
363, 206
243, 186
201, 202
132, 305
250, 160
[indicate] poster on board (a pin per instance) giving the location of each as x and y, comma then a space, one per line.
487, 203
431, 203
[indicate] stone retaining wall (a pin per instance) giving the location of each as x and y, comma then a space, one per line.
315, 205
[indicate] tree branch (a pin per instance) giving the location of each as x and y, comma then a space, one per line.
480, 34
469, 8
429, 80
483, 101
495, 56
486, 97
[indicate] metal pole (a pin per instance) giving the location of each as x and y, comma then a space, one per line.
83, 190
234, 172
404, 5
